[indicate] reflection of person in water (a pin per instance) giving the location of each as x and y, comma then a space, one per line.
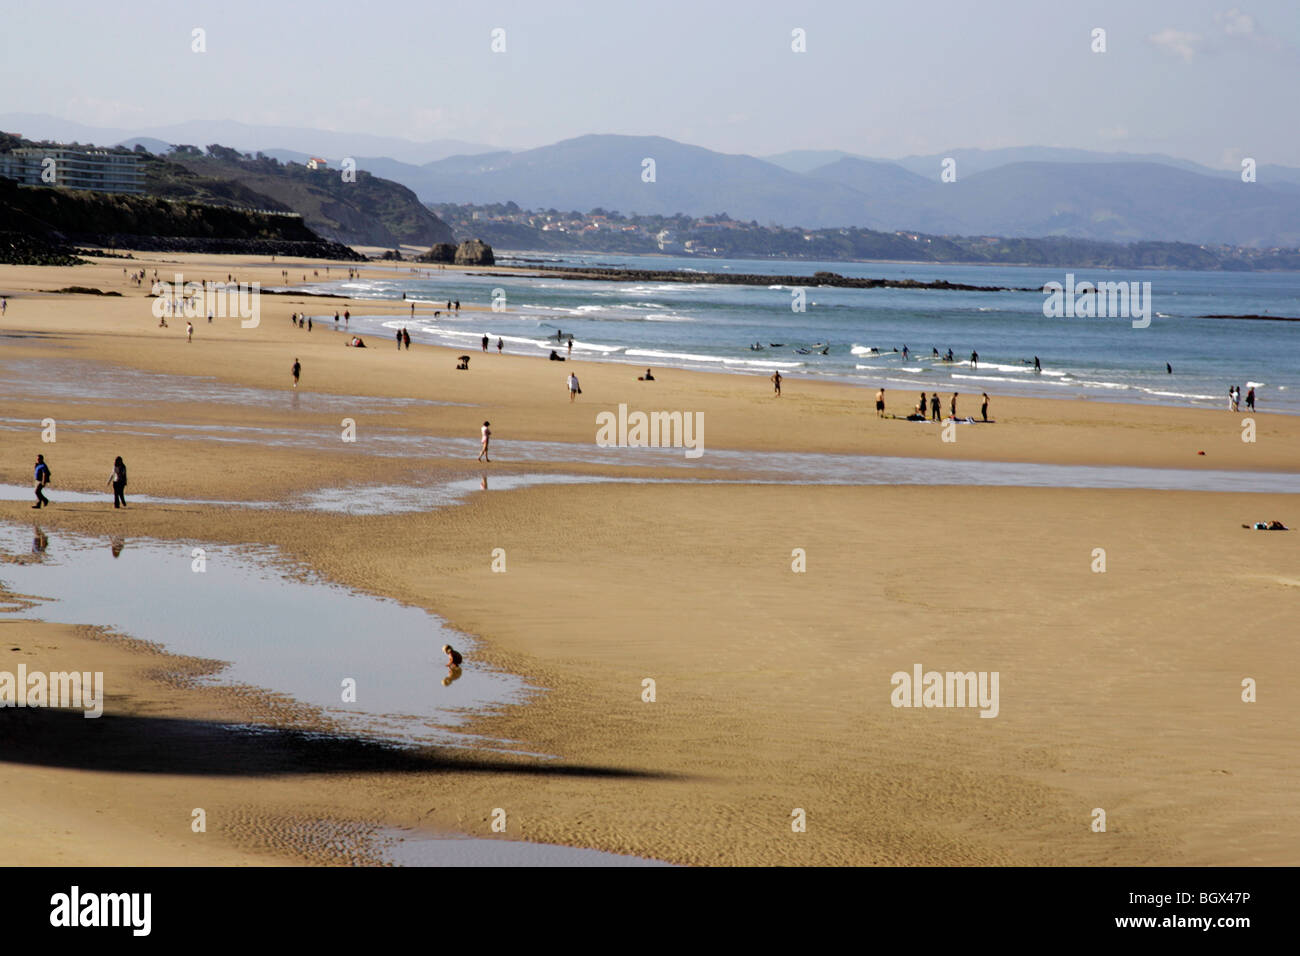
117, 545
453, 675
39, 541
453, 656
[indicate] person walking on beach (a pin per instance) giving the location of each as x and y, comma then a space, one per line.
189, 331
776, 383
500, 345
952, 405
1250, 398
42, 476
921, 408
574, 388
309, 323
406, 339
4, 305
118, 480
398, 335
336, 318
297, 370
487, 437
347, 317
485, 344
570, 346
984, 407
934, 406
880, 403
1234, 398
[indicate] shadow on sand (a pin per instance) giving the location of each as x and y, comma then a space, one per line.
63, 738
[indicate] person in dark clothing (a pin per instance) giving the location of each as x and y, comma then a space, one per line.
406, 339
934, 406
118, 480
42, 476
485, 343
398, 336
297, 370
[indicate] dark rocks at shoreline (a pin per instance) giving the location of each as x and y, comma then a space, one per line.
474, 252
23, 249
83, 290
305, 293
441, 252
749, 278
1256, 318
471, 252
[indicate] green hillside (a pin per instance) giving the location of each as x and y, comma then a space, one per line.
370, 211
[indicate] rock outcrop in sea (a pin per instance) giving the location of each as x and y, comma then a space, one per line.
471, 252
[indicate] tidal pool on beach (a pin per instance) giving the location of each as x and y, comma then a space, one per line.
96, 383
408, 848
765, 468
289, 633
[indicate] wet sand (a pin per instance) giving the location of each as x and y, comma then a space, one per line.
1119, 690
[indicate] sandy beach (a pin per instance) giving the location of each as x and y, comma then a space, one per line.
1119, 689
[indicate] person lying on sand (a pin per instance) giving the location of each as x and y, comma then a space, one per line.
1267, 526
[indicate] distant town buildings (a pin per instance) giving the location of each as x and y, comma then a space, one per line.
71, 168
317, 163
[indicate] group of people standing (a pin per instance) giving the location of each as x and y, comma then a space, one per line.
1234, 398
116, 479
932, 404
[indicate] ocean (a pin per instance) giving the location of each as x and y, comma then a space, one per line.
708, 326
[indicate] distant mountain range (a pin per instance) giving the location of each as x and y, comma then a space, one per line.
1014, 192
241, 136
1114, 199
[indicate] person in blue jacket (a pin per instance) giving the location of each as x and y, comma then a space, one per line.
42, 479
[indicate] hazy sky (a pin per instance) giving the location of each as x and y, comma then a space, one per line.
1206, 81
